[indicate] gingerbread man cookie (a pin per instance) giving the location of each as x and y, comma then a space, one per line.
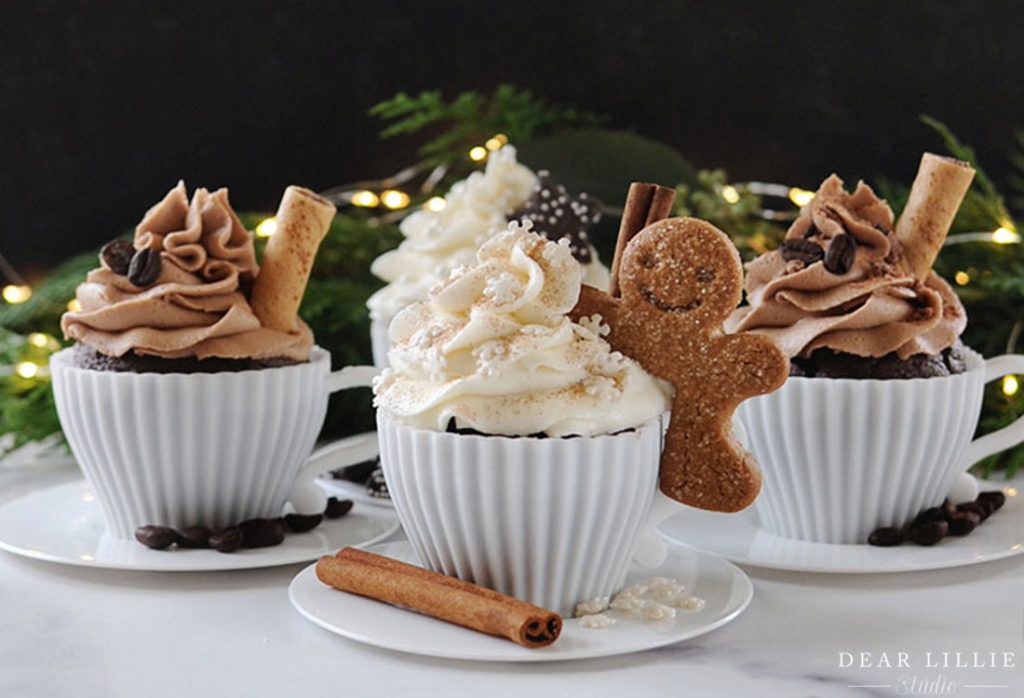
679, 279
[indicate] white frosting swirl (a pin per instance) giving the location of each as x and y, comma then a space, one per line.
495, 350
438, 241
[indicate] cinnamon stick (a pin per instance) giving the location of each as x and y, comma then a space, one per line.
645, 204
939, 188
453, 600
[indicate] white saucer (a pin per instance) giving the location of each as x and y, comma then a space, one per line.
64, 524
738, 537
346, 488
724, 587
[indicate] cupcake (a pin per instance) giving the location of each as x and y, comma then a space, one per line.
178, 298
520, 450
476, 208
875, 423
194, 393
839, 299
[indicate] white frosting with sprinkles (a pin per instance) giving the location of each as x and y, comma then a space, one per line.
495, 350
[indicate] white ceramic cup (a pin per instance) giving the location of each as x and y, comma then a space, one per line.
211, 449
842, 457
553, 521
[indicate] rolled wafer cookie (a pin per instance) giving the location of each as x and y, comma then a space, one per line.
303, 219
939, 188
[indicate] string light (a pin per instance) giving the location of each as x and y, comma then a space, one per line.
496, 141
394, 199
365, 199
27, 369
800, 197
1010, 385
1005, 236
40, 340
74, 306
15, 294
730, 194
477, 153
267, 227
435, 203
962, 278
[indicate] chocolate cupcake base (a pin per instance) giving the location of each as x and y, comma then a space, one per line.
88, 358
825, 363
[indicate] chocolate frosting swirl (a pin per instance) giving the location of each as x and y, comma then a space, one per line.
875, 308
198, 305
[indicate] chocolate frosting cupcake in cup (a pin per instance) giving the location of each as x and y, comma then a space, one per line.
195, 393
876, 422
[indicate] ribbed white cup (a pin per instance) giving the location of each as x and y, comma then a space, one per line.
186, 449
380, 342
842, 457
551, 521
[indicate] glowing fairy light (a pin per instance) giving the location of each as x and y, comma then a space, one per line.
730, 194
800, 197
962, 278
15, 294
74, 306
496, 141
365, 199
1010, 385
267, 227
394, 199
435, 203
27, 369
1005, 236
39, 340
477, 153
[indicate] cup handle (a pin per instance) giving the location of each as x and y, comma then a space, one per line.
306, 496
1010, 435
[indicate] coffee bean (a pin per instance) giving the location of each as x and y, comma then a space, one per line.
885, 537
987, 507
972, 506
996, 497
840, 253
227, 541
803, 250
144, 267
929, 533
336, 508
929, 515
156, 537
963, 523
299, 523
194, 537
117, 255
262, 533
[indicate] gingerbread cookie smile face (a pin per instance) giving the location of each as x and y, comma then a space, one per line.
684, 270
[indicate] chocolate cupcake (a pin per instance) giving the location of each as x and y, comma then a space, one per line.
180, 298
842, 299
194, 394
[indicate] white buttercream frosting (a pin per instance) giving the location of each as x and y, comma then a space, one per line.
436, 242
494, 349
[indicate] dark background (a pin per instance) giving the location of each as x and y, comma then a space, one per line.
104, 106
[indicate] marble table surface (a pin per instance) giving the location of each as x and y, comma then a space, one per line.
68, 631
